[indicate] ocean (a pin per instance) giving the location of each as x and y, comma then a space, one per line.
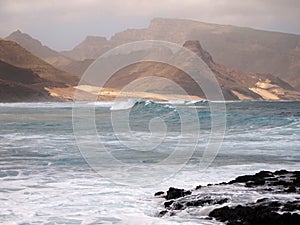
60, 166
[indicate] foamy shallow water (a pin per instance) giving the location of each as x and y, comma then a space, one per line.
45, 180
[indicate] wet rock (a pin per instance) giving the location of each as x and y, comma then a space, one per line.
296, 181
291, 189
222, 183
257, 179
198, 187
168, 203
177, 206
206, 201
174, 193
159, 193
280, 172
271, 210
281, 180
241, 179
162, 213
258, 182
254, 215
281, 183
291, 206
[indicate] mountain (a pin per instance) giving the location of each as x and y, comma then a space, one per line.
77, 67
57, 59
25, 77
35, 47
245, 49
32, 45
12, 53
91, 48
245, 85
19, 85
270, 61
235, 85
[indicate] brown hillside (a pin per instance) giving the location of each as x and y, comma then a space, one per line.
35, 47
19, 84
234, 84
32, 45
14, 54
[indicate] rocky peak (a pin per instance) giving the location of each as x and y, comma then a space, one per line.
91, 48
94, 40
91, 42
30, 44
195, 46
17, 32
18, 37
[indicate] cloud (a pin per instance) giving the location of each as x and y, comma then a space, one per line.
89, 16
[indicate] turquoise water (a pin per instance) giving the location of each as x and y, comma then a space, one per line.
45, 180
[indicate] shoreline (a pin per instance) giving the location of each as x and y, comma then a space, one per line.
166, 101
94, 93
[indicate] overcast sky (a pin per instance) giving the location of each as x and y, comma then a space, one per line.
61, 24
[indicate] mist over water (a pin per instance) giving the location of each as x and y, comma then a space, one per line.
45, 180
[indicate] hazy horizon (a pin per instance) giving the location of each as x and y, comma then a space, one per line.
62, 25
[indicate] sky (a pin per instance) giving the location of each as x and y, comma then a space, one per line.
62, 24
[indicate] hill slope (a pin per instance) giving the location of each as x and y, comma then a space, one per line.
35, 47
12, 53
235, 85
32, 45
19, 85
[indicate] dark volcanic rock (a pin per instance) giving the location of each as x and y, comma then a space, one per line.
177, 206
280, 172
162, 213
168, 203
198, 187
254, 215
174, 193
207, 201
159, 193
283, 180
274, 207
257, 178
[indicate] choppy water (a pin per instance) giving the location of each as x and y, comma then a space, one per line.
45, 180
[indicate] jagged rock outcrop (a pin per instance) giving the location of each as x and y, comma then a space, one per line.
195, 47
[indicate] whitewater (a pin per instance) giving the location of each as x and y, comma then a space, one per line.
44, 178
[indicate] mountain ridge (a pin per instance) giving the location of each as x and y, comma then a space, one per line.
28, 42
243, 48
35, 47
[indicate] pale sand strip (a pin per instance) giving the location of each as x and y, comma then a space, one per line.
92, 93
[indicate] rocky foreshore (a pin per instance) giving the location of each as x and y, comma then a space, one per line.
266, 198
